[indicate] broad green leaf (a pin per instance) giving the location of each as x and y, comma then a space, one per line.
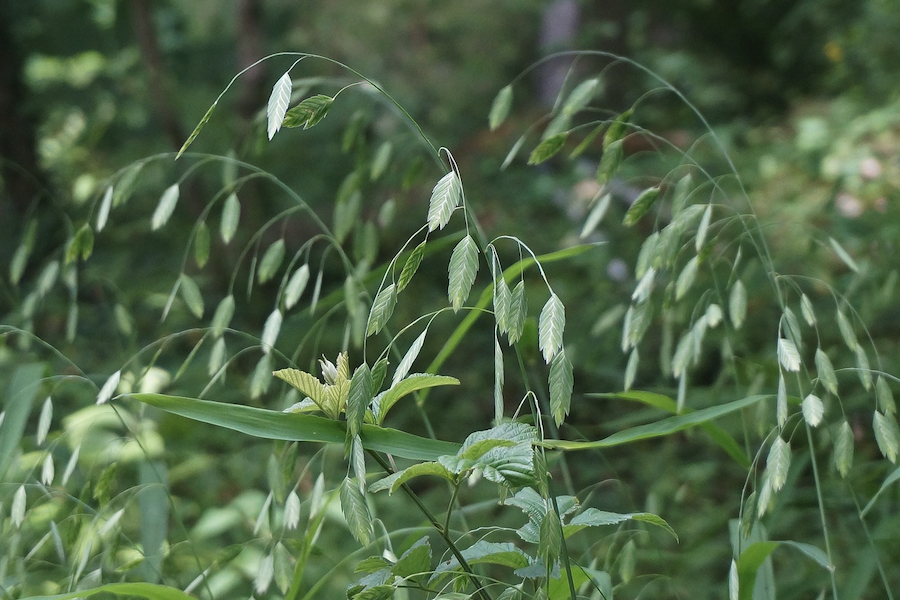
884, 396
165, 208
408, 359
151, 591
278, 103
309, 112
561, 385
361, 392
416, 560
445, 197
843, 450
271, 329
271, 261
201, 245
381, 160
846, 330
595, 216
778, 463
222, 317
609, 162
813, 410
382, 309
295, 287
891, 479
631, 369
581, 96
788, 355
887, 435
551, 325
393, 482
231, 216
827, 376
462, 271
408, 385
356, 512
196, 131
843, 255
411, 266
592, 517
659, 428
191, 295
687, 277
103, 211
500, 107
641, 206
862, 368
806, 308
277, 425
81, 245
548, 148
483, 552
617, 129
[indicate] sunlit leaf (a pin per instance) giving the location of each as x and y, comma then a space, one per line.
109, 388
271, 330
382, 308
561, 385
411, 266
781, 406
813, 410
165, 207
581, 96
843, 255
806, 308
687, 277
702, 229
788, 355
887, 435
500, 107
278, 103
103, 211
548, 148
191, 295
222, 317
551, 325
231, 216
641, 206
631, 369
462, 270
295, 287
595, 216
778, 463
356, 512
309, 112
445, 197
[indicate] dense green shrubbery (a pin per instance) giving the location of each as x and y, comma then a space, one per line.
770, 400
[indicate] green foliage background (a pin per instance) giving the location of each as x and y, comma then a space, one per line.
801, 94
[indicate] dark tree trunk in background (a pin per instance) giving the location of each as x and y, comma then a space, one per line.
23, 180
146, 33
559, 24
250, 50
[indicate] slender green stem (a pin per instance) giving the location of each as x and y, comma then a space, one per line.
480, 590
812, 455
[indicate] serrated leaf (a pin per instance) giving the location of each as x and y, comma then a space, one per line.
826, 372
687, 277
191, 295
393, 482
846, 330
271, 330
196, 131
408, 359
551, 325
609, 162
778, 463
165, 208
703, 228
408, 385
806, 308
356, 512
863, 370
309, 112
201, 245
462, 271
271, 261
103, 211
561, 385
887, 435
222, 317
592, 517
296, 285
382, 308
361, 393
304, 383
278, 103
843, 255
445, 197
518, 310
416, 560
550, 539
813, 410
548, 148
788, 355
617, 128
884, 396
500, 107
641, 206
843, 449
231, 216
411, 266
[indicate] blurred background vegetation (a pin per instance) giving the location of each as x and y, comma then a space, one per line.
803, 94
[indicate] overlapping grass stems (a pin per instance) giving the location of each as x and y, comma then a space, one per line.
700, 236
